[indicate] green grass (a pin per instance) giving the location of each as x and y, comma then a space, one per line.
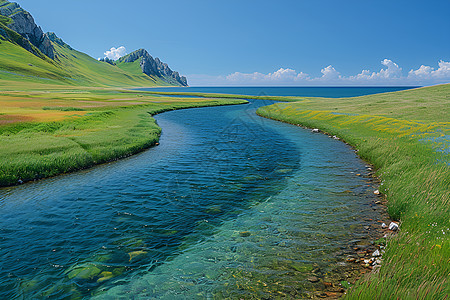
34, 150
71, 67
405, 135
62, 108
87, 71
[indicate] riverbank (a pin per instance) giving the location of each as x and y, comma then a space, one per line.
46, 132
405, 135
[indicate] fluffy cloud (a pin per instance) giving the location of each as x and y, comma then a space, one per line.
330, 73
390, 74
116, 53
392, 71
280, 76
429, 73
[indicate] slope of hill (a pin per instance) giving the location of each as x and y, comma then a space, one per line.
29, 55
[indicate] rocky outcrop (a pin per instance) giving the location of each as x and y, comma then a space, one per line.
154, 67
23, 23
55, 39
108, 61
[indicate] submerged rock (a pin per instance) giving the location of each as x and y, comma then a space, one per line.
85, 272
136, 254
105, 276
313, 279
244, 233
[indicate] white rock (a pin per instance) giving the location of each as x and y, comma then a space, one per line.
378, 261
383, 225
376, 253
315, 130
366, 261
393, 226
376, 192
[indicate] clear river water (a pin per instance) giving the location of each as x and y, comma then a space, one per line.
229, 205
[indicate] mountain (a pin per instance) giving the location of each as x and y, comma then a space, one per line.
152, 67
29, 54
23, 23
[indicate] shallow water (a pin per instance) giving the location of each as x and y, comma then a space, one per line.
229, 205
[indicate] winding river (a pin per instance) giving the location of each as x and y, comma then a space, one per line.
229, 205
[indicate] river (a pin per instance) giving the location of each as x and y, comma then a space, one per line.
229, 205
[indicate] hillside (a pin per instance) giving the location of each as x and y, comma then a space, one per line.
29, 55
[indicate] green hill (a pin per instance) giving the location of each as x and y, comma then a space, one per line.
69, 67
29, 55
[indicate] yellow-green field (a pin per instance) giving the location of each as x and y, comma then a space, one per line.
406, 136
49, 130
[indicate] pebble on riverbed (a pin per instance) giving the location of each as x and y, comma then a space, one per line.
244, 233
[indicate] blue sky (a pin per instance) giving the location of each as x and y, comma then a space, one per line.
247, 42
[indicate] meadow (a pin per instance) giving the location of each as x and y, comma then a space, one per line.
405, 136
48, 130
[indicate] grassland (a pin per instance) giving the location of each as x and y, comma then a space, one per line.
72, 112
406, 136
71, 67
49, 130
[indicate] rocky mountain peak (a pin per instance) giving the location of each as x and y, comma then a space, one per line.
156, 67
23, 23
55, 39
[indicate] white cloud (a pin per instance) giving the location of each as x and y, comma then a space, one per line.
390, 74
429, 73
280, 76
116, 53
392, 71
330, 73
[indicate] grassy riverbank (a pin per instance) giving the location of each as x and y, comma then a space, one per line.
49, 130
406, 136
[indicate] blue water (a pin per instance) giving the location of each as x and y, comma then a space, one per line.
329, 92
229, 205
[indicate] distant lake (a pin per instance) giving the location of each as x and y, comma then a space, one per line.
329, 92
